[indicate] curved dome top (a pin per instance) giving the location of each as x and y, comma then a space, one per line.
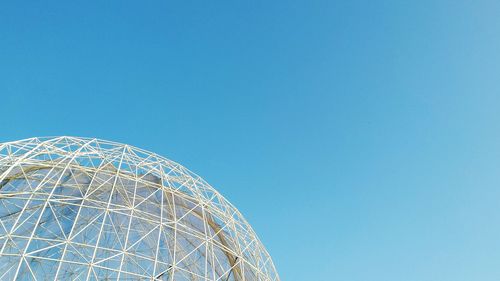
87, 209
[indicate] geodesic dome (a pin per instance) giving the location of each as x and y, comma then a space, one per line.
86, 209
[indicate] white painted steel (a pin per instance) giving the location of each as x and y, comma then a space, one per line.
87, 209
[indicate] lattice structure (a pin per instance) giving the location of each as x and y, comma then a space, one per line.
86, 209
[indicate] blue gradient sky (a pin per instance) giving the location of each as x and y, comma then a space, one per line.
360, 138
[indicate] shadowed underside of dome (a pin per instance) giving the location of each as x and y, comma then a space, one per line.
87, 209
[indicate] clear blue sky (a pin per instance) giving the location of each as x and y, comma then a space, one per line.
361, 139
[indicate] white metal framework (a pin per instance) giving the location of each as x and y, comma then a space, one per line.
86, 209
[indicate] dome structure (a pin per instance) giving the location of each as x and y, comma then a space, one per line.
86, 209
